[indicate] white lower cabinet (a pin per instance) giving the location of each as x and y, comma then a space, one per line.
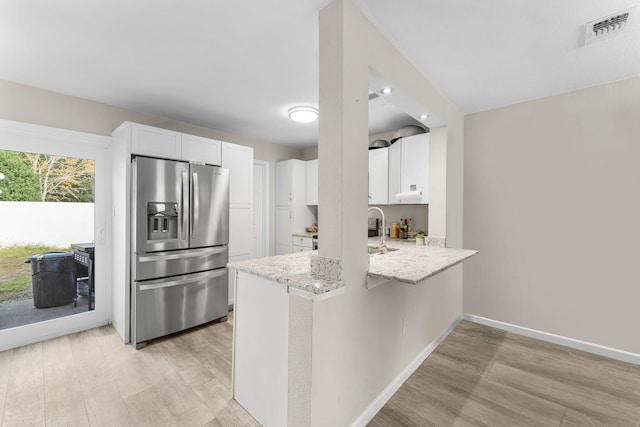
284, 216
302, 244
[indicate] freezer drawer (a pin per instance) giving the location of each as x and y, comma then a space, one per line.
165, 306
174, 263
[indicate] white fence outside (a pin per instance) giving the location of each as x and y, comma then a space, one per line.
50, 223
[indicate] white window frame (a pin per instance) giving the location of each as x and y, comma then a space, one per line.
24, 137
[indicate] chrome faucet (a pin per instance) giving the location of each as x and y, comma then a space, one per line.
382, 246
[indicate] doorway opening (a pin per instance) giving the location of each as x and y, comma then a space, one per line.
46, 250
76, 146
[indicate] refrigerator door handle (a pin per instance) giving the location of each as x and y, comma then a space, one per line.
197, 278
184, 211
166, 257
195, 206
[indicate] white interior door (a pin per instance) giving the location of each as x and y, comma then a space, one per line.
260, 221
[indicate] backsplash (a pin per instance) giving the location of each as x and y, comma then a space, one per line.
393, 213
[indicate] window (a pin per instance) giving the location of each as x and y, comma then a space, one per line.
65, 192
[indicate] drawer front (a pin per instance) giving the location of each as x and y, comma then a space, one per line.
173, 263
170, 305
303, 241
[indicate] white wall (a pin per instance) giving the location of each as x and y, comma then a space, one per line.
49, 223
31, 105
551, 198
362, 340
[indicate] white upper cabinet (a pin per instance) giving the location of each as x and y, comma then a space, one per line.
379, 176
312, 182
292, 212
239, 160
155, 142
291, 177
202, 150
409, 170
167, 144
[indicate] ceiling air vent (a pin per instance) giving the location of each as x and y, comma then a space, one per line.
606, 27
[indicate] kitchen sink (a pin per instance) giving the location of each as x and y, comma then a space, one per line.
374, 250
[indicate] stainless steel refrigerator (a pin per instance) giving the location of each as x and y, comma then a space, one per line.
180, 237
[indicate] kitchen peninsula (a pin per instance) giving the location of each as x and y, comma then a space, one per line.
275, 298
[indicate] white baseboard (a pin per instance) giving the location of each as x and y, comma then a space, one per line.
386, 394
613, 353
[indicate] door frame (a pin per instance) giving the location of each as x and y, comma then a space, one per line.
24, 137
262, 167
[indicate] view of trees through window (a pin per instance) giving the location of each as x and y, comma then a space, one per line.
47, 207
31, 177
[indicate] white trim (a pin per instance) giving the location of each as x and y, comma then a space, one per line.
45, 134
601, 350
395, 385
265, 205
18, 136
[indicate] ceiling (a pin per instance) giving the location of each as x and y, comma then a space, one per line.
238, 66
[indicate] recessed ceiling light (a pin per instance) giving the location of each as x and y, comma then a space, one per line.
423, 116
303, 114
386, 90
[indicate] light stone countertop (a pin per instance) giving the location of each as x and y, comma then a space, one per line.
409, 264
292, 270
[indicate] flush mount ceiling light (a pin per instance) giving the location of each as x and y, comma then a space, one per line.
386, 90
303, 114
423, 116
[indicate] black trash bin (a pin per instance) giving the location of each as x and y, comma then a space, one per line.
53, 279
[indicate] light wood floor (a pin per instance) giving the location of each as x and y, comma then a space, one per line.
92, 378
481, 376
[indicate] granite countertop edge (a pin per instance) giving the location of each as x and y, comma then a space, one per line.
409, 264
423, 276
291, 270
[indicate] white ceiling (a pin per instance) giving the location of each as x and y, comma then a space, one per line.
237, 66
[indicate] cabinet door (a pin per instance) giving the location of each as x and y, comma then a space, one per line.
284, 216
415, 167
239, 160
240, 232
379, 176
395, 157
199, 149
312, 182
155, 142
284, 183
305, 242
291, 178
